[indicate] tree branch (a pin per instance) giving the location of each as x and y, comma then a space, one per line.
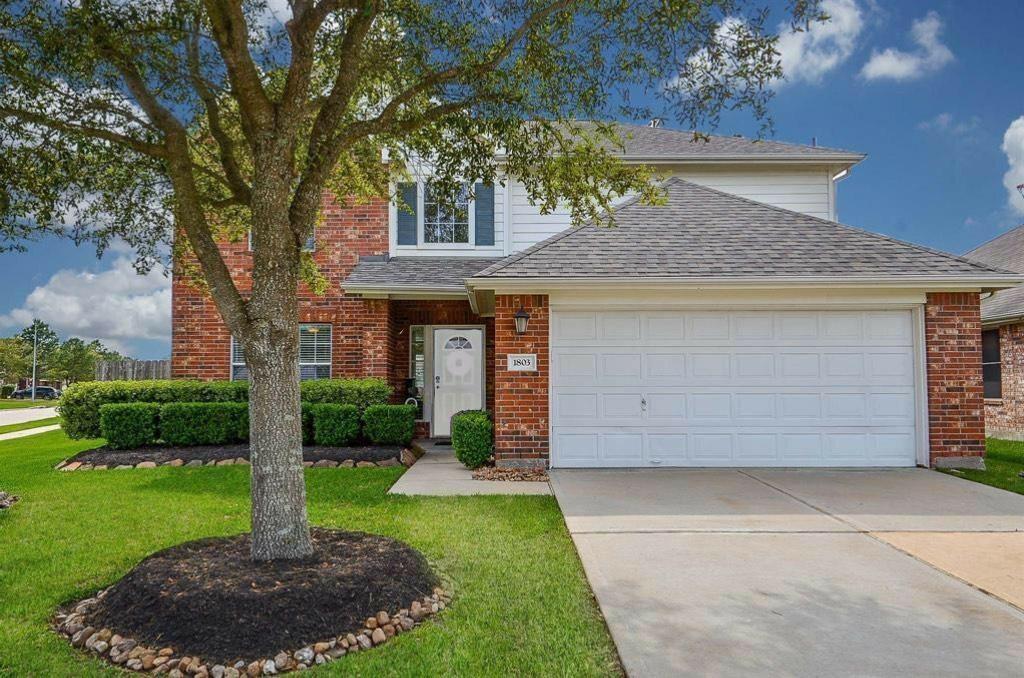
231, 35
143, 147
235, 181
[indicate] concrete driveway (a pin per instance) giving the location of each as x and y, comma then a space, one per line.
802, 573
23, 414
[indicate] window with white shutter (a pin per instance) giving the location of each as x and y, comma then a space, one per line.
314, 354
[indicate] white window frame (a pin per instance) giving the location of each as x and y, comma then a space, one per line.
412, 367
330, 361
421, 241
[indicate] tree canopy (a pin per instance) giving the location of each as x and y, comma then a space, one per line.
188, 121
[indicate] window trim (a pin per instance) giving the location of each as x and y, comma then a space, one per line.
421, 242
998, 362
412, 368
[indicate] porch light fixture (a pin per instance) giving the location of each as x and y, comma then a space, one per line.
522, 319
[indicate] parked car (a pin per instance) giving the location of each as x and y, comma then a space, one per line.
42, 393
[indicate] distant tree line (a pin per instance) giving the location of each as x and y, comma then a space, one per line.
66, 361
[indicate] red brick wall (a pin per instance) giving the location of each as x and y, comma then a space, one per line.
521, 398
1004, 418
201, 345
956, 418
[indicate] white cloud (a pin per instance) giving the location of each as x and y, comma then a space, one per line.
810, 54
115, 306
929, 56
1013, 147
947, 123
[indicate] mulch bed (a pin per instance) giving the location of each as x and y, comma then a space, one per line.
211, 453
510, 473
207, 598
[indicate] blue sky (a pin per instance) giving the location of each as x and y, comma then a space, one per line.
929, 90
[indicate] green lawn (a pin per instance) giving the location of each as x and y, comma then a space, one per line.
10, 428
1004, 460
9, 404
522, 605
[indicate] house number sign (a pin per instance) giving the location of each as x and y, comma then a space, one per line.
522, 362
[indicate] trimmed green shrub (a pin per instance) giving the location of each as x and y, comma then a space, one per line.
390, 424
81, 402
204, 423
6, 390
130, 425
334, 425
472, 437
359, 392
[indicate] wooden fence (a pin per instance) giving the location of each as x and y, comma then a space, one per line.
111, 370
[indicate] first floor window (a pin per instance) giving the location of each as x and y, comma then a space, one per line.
445, 218
991, 364
314, 353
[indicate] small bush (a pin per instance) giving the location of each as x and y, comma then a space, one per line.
204, 423
81, 402
334, 425
6, 390
390, 424
472, 437
130, 425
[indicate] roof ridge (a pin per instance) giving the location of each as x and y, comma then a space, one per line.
729, 136
855, 229
993, 239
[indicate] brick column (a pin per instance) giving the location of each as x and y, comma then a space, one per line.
376, 340
521, 398
956, 416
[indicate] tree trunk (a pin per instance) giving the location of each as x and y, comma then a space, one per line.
280, 527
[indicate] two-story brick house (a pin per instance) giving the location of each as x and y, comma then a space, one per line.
738, 324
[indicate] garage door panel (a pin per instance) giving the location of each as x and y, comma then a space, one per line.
726, 388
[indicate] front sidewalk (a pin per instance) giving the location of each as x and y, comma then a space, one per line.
438, 473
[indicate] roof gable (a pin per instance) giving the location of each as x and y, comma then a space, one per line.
1006, 251
702, 233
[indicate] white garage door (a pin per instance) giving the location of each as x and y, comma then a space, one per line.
732, 388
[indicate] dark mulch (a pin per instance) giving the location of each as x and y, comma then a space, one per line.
112, 458
206, 598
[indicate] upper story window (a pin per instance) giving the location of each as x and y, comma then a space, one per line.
427, 220
445, 221
314, 353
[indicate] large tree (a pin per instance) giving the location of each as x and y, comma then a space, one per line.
15, 359
203, 118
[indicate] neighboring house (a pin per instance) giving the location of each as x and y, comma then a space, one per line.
1002, 320
735, 326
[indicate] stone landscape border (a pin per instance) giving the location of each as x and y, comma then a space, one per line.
129, 654
407, 458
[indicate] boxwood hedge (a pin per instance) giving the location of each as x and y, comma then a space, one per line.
127, 426
335, 425
390, 424
81, 402
472, 437
204, 423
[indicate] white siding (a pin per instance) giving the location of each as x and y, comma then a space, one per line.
801, 189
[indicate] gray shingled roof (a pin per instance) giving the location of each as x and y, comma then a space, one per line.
1006, 251
703, 233
641, 141
433, 273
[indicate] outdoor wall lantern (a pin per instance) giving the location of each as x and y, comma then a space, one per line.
522, 320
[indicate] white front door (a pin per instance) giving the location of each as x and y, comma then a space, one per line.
458, 374
733, 388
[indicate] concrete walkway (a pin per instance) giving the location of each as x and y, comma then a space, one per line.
26, 414
801, 573
28, 432
439, 473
